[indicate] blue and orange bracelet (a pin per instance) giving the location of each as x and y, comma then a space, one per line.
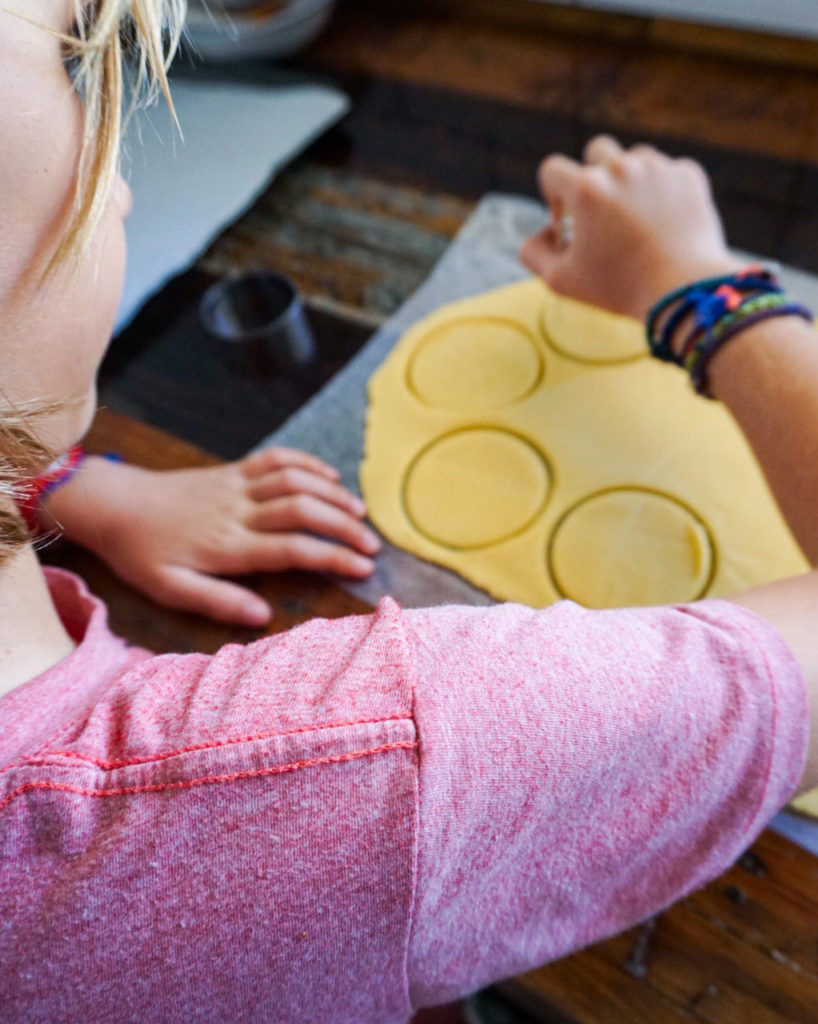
720, 308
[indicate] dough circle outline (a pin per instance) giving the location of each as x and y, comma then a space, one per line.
551, 302
484, 399
519, 444
688, 513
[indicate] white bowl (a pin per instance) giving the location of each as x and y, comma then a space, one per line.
230, 30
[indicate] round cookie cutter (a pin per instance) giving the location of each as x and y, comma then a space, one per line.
259, 318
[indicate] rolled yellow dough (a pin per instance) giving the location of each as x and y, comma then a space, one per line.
497, 472
531, 444
622, 528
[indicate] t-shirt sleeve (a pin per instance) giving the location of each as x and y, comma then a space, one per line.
580, 770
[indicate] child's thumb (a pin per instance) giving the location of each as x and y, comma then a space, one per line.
540, 254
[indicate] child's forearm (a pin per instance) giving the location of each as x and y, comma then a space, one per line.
768, 378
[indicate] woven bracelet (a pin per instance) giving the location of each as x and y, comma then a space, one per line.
33, 492
698, 370
701, 338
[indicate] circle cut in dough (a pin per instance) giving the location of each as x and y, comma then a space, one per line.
475, 487
475, 363
591, 335
631, 546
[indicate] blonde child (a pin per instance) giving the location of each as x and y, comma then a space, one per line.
367, 816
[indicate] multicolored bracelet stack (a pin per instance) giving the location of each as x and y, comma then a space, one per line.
718, 308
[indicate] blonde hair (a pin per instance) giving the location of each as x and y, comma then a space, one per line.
109, 38
105, 31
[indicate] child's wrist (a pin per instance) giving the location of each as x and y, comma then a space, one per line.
34, 493
47, 500
767, 343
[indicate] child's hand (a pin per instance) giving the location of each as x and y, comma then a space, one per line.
641, 224
171, 534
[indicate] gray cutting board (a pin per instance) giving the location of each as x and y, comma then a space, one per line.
331, 425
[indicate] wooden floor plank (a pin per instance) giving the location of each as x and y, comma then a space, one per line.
770, 899
708, 965
588, 989
470, 147
743, 950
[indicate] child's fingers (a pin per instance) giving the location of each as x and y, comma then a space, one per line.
279, 552
559, 179
293, 480
191, 591
603, 151
542, 253
279, 458
305, 512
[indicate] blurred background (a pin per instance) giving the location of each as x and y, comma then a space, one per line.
227, 29
235, 29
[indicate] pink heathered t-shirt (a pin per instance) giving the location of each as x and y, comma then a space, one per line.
364, 816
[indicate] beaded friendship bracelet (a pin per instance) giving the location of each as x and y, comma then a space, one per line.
32, 493
721, 307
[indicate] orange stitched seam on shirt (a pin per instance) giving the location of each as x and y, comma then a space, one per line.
41, 751
255, 773
45, 756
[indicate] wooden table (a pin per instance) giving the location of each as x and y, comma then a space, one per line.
452, 100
